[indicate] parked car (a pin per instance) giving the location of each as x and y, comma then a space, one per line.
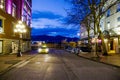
34, 46
82, 49
85, 49
68, 49
77, 50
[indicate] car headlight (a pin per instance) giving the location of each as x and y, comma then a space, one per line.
39, 50
47, 50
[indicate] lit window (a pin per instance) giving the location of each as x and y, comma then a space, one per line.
82, 34
2, 4
118, 7
13, 10
86, 33
108, 25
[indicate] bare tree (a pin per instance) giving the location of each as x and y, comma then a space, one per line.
96, 8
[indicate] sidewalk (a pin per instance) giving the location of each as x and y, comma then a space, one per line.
113, 59
7, 61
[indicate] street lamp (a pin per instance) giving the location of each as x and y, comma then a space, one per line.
19, 28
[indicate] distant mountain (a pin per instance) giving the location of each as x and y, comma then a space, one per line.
52, 39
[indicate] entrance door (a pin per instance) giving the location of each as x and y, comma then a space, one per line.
1, 46
111, 44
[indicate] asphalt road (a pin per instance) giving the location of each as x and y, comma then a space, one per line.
61, 65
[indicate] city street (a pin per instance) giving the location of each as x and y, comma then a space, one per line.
61, 65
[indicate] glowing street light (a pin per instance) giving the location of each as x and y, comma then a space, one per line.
19, 28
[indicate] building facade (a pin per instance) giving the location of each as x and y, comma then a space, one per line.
84, 32
11, 11
110, 22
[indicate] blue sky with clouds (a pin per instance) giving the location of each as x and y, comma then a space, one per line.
48, 18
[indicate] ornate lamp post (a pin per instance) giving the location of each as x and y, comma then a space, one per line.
19, 28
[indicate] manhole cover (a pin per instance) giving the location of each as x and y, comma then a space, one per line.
12, 62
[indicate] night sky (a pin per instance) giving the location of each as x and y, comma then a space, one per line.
49, 18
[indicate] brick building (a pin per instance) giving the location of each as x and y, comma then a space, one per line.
11, 11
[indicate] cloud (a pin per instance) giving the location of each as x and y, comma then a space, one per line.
49, 18
50, 23
45, 23
45, 14
53, 27
55, 31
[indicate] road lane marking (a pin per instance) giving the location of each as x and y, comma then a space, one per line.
23, 64
37, 62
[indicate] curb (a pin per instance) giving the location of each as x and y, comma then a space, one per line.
99, 61
14, 65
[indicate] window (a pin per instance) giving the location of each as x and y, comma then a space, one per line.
108, 13
0, 22
2, 4
118, 7
82, 34
13, 10
25, 6
86, 33
108, 25
1, 46
118, 19
13, 28
24, 16
29, 12
1, 25
29, 22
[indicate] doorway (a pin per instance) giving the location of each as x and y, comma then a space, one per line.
111, 44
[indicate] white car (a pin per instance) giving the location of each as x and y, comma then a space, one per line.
43, 49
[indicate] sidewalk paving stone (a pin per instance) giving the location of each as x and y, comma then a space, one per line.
7, 61
113, 59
